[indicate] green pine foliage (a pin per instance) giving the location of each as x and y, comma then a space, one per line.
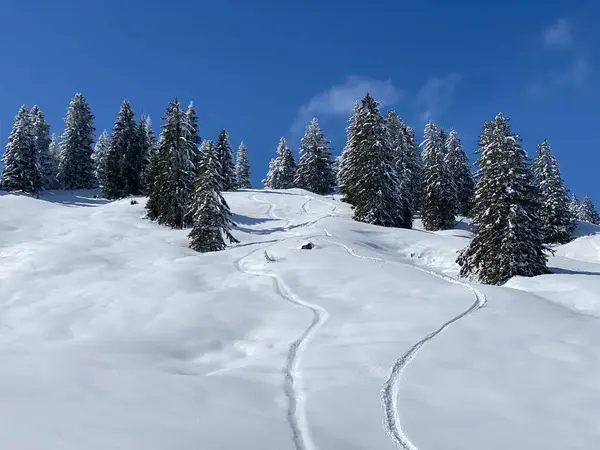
76, 168
41, 139
242, 168
439, 192
508, 239
282, 168
587, 211
224, 153
553, 196
460, 171
211, 217
315, 169
368, 178
21, 170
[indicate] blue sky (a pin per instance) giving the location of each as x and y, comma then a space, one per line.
262, 68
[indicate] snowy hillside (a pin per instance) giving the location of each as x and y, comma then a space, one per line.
115, 335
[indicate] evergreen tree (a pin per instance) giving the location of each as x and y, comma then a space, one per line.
76, 169
415, 166
315, 168
574, 207
41, 139
224, 153
123, 161
587, 212
147, 143
401, 157
508, 239
210, 212
101, 151
337, 165
460, 171
369, 181
282, 169
194, 129
21, 170
54, 153
439, 192
242, 168
173, 171
553, 195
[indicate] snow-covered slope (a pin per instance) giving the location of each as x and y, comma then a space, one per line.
114, 335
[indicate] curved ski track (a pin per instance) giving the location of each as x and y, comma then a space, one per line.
389, 392
296, 413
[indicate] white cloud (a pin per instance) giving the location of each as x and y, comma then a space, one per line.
436, 96
338, 100
558, 35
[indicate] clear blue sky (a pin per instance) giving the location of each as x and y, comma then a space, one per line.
262, 68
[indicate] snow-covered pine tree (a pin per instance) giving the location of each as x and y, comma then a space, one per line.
211, 217
224, 153
101, 150
76, 169
337, 165
170, 193
194, 129
54, 152
587, 212
21, 170
574, 206
400, 155
439, 193
460, 171
123, 162
369, 181
282, 168
41, 139
315, 168
147, 142
415, 164
242, 168
553, 195
508, 238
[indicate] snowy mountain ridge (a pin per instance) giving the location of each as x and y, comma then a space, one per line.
114, 334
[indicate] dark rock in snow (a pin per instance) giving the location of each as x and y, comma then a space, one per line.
308, 246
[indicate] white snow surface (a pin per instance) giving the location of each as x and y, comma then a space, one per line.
115, 335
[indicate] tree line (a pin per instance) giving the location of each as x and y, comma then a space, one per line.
182, 175
518, 206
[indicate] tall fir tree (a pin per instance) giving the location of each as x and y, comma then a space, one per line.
76, 168
123, 162
41, 139
242, 168
194, 129
587, 211
282, 168
21, 170
211, 217
460, 171
401, 156
147, 143
554, 210
224, 153
369, 181
415, 165
101, 151
172, 185
439, 192
508, 238
337, 165
574, 206
54, 153
315, 169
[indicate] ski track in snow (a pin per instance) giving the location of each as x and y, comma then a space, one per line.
389, 392
296, 413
